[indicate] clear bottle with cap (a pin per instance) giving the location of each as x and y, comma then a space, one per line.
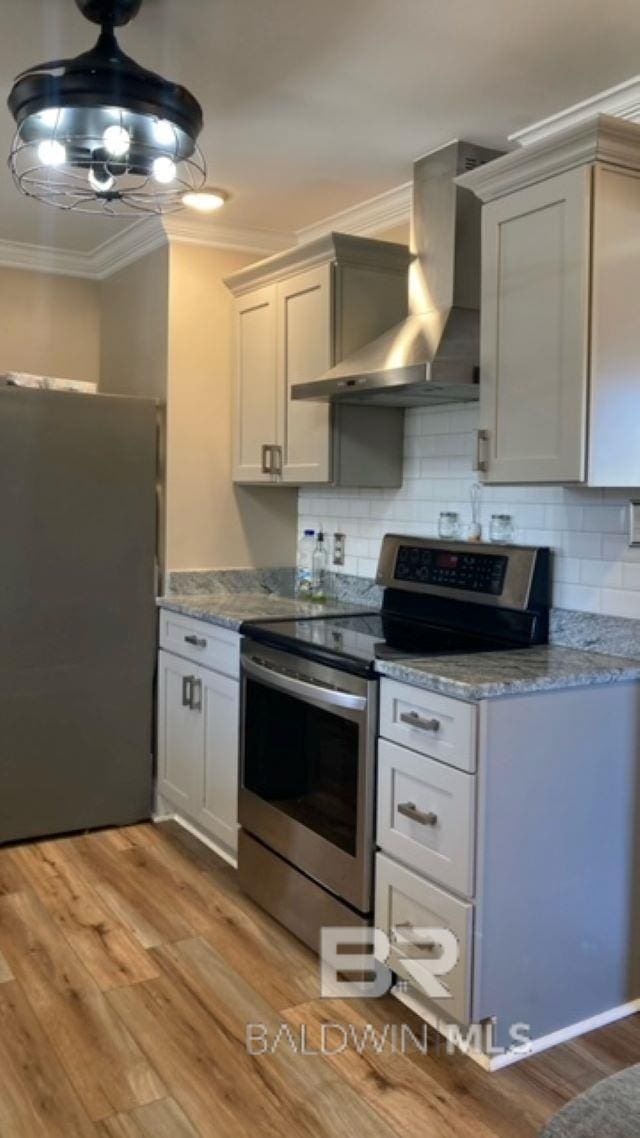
320, 567
304, 571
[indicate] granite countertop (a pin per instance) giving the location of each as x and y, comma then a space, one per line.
483, 675
231, 610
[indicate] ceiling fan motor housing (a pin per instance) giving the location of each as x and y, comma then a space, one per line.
112, 13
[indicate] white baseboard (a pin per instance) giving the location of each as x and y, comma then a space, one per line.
162, 815
493, 1063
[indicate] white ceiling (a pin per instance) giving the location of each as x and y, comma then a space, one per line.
311, 107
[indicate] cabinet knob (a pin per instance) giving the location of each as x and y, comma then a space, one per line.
187, 684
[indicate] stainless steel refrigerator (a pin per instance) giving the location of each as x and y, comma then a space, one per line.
77, 610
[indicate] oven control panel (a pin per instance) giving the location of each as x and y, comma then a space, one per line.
470, 571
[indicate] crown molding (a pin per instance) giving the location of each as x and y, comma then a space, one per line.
45, 259
623, 101
603, 138
342, 248
127, 246
191, 230
385, 211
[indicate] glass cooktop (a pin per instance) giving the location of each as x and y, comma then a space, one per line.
361, 640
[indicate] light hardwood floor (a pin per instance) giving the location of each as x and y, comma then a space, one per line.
130, 965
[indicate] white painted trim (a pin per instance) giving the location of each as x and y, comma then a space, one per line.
142, 237
385, 211
191, 230
492, 1063
127, 246
601, 138
45, 259
164, 816
622, 101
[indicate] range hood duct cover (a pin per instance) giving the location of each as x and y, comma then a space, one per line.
433, 355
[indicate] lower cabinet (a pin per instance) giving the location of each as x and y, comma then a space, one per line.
198, 712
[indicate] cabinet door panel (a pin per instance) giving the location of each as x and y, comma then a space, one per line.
179, 731
534, 338
304, 352
255, 383
218, 787
614, 443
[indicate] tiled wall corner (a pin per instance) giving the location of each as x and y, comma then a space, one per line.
595, 570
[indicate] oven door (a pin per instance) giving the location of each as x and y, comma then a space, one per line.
307, 773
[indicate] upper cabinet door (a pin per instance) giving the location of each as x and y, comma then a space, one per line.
534, 331
255, 416
614, 420
305, 337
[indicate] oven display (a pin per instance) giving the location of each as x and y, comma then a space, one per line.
469, 571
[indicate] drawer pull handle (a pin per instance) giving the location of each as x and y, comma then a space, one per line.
426, 946
415, 720
197, 641
410, 810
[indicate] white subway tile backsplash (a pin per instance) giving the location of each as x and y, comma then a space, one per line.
594, 568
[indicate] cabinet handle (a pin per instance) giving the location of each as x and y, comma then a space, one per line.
195, 702
187, 685
410, 810
426, 946
267, 459
481, 463
197, 641
415, 720
276, 462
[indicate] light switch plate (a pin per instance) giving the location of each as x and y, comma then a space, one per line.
634, 522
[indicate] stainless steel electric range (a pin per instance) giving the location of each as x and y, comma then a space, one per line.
310, 708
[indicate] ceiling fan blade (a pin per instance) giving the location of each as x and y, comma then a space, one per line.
50, 65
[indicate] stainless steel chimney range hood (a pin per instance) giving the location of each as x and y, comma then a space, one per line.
433, 355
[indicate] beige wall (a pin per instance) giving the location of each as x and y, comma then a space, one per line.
133, 349
49, 325
210, 522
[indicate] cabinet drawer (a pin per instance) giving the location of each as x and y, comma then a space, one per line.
431, 724
206, 644
406, 902
426, 816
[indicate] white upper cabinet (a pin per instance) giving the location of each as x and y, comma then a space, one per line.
297, 314
534, 331
256, 411
560, 351
304, 352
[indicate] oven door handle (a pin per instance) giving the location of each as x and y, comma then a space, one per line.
306, 689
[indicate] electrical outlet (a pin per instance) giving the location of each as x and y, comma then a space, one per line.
634, 523
339, 542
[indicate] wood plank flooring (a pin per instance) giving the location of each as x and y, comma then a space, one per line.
130, 966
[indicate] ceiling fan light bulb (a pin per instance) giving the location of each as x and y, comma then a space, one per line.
52, 153
164, 170
116, 140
